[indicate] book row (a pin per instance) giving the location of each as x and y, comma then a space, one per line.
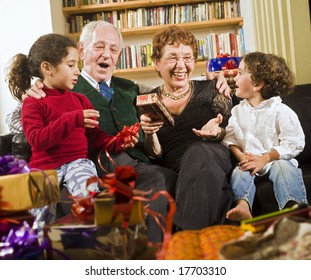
77, 3
173, 14
209, 47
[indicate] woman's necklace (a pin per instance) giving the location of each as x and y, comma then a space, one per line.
176, 97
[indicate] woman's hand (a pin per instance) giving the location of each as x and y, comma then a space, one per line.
148, 125
89, 118
210, 129
221, 84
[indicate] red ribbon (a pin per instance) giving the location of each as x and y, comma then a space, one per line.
126, 135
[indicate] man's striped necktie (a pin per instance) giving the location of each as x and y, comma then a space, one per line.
105, 91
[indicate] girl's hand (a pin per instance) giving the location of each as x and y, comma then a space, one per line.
134, 141
90, 116
210, 129
148, 125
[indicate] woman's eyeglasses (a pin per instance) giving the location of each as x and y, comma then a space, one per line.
174, 59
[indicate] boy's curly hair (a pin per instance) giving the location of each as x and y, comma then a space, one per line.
272, 71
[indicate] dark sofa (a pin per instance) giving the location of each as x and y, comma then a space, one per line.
299, 101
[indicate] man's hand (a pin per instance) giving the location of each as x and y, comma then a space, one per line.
35, 91
221, 84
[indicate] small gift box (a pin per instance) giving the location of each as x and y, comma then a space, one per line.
104, 212
223, 63
152, 105
28, 190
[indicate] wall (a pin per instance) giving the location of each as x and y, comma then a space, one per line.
19, 29
37, 17
283, 27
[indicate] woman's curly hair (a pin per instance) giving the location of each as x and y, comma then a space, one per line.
270, 70
173, 35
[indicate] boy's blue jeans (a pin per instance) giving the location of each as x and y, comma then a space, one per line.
287, 184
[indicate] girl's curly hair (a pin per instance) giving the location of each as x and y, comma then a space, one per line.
272, 71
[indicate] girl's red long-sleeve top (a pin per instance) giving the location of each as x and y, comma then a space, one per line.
54, 128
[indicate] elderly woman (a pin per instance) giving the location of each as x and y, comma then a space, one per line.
192, 146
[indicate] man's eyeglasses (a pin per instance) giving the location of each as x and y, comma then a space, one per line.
174, 59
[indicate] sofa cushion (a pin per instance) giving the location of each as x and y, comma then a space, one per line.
6, 144
300, 102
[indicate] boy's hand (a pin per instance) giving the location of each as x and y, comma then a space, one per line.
254, 163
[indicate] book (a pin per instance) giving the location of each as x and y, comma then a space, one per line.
152, 105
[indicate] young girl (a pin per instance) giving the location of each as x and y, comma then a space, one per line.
60, 126
264, 134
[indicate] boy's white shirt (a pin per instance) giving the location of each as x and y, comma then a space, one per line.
271, 124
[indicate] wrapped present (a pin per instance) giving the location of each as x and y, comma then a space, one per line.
223, 63
287, 238
73, 238
22, 243
151, 104
262, 222
120, 205
204, 244
114, 205
28, 190
14, 221
104, 208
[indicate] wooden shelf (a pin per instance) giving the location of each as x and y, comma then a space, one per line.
86, 9
149, 69
188, 25
131, 34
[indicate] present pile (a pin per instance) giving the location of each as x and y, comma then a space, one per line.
20, 190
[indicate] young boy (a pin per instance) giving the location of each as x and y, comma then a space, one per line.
264, 134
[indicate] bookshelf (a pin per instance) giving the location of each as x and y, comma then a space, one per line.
200, 17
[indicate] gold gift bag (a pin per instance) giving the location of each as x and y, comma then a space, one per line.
28, 190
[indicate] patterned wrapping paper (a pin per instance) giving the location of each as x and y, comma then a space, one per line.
204, 244
288, 238
223, 63
28, 190
152, 105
